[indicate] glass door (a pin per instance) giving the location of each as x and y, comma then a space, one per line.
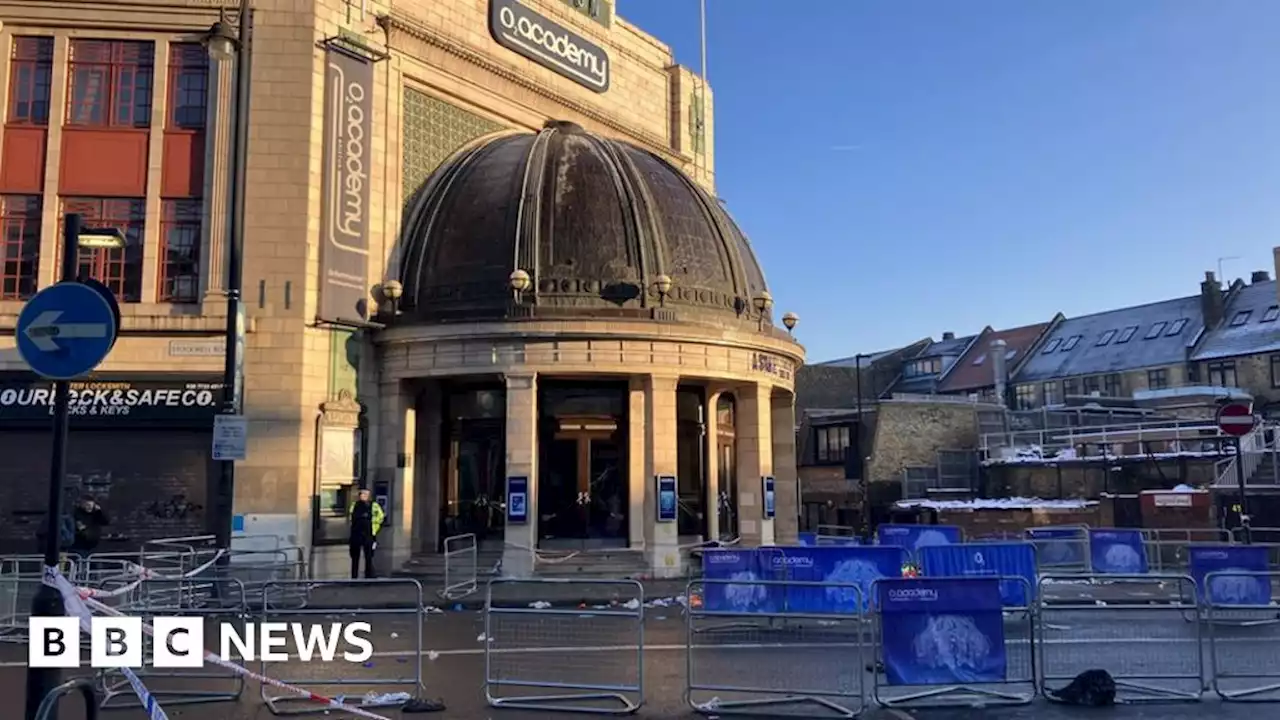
606, 494
728, 505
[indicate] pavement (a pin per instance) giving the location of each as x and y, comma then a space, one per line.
598, 646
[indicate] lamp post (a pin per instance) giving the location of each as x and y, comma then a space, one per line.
519, 282
225, 41
790, 320
662, 285
763, 303
857, 461
47, 601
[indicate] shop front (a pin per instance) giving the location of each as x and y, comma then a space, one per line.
139, 445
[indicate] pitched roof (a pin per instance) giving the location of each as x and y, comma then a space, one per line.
949, 350
973, 370
1130, 338
1249, 326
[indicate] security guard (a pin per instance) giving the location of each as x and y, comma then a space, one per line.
366, 517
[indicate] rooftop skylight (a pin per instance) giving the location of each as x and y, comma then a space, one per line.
1176, 327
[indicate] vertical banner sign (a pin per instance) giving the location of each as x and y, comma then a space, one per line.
517, 500
666, 498
942, 631
344, 226
769, 497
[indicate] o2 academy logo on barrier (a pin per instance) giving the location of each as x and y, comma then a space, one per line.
523, 31
107, 399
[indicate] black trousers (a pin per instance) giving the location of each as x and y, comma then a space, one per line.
362, 546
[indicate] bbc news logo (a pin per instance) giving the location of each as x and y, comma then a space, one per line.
179, 642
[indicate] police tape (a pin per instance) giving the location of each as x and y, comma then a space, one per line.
144, 574
70, 596
76, 607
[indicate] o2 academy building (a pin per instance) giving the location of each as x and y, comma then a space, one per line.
486, 274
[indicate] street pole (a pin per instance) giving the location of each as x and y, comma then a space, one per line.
233, 368
1244, 498
48, 601
857, 446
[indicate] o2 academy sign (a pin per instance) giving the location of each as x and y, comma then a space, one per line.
549, 44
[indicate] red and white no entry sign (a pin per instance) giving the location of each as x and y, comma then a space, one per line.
1235, 419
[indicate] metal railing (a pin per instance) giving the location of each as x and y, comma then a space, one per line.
49, 706
1052, 439
1253, 450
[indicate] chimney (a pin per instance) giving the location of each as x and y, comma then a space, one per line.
1211, 300
1260, 276
998, 369
948, 336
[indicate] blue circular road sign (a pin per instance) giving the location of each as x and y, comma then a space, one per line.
66, 330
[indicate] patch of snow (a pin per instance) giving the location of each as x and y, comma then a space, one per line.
632, 604
997, 504
539, 604
1034, 456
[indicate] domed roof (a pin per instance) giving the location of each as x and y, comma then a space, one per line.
593, 221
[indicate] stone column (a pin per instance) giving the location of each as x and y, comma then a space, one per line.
396, 438
426, 471
637, 465
785, 473
662, 539
522, 460
711, 451
755, 460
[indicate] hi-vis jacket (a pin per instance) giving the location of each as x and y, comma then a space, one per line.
375, 521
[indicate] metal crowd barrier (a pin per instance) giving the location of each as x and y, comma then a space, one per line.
1243, 627
566, 656
20, 579
48, 709
269, 576
374, 683
459, 566
1060, 548
957, 648
1167, 547
1154, 651
173, 686
743, 671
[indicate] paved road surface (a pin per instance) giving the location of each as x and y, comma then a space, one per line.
589, 646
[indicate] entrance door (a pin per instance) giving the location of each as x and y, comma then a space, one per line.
728, 504
582, 490
476, 494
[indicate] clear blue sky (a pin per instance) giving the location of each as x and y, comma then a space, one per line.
907, 167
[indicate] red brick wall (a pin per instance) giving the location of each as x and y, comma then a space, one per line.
976, 523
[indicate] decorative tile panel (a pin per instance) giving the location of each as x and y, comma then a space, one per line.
434, 130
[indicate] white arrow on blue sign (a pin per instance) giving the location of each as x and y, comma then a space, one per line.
66, 330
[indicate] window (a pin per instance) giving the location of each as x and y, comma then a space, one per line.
1071, 342
1157, 379
1275, 371
1176, 327
1050, 390
180, 251
980, 358
30, 75
1241, 318
1091, 385
118, 268
20, 235
1127, 334
1222, 374
1009, 355
1156, 329
1106, 337
921, 368
110, 83
1271, 314
1053, 345
1070, 387
832, 443
1024, 397
188, 86
1111, 385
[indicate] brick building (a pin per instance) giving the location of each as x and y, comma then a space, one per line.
612, 327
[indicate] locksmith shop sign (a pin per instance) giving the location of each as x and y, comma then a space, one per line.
344, 225
521, 30
113, 402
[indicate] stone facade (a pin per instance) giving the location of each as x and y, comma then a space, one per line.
909, 433
440, 82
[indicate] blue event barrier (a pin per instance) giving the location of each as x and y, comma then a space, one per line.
1230, 588
808, 539
1007, 560
1059, 546
937, 631
847, 565
914, 537
1117, 552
